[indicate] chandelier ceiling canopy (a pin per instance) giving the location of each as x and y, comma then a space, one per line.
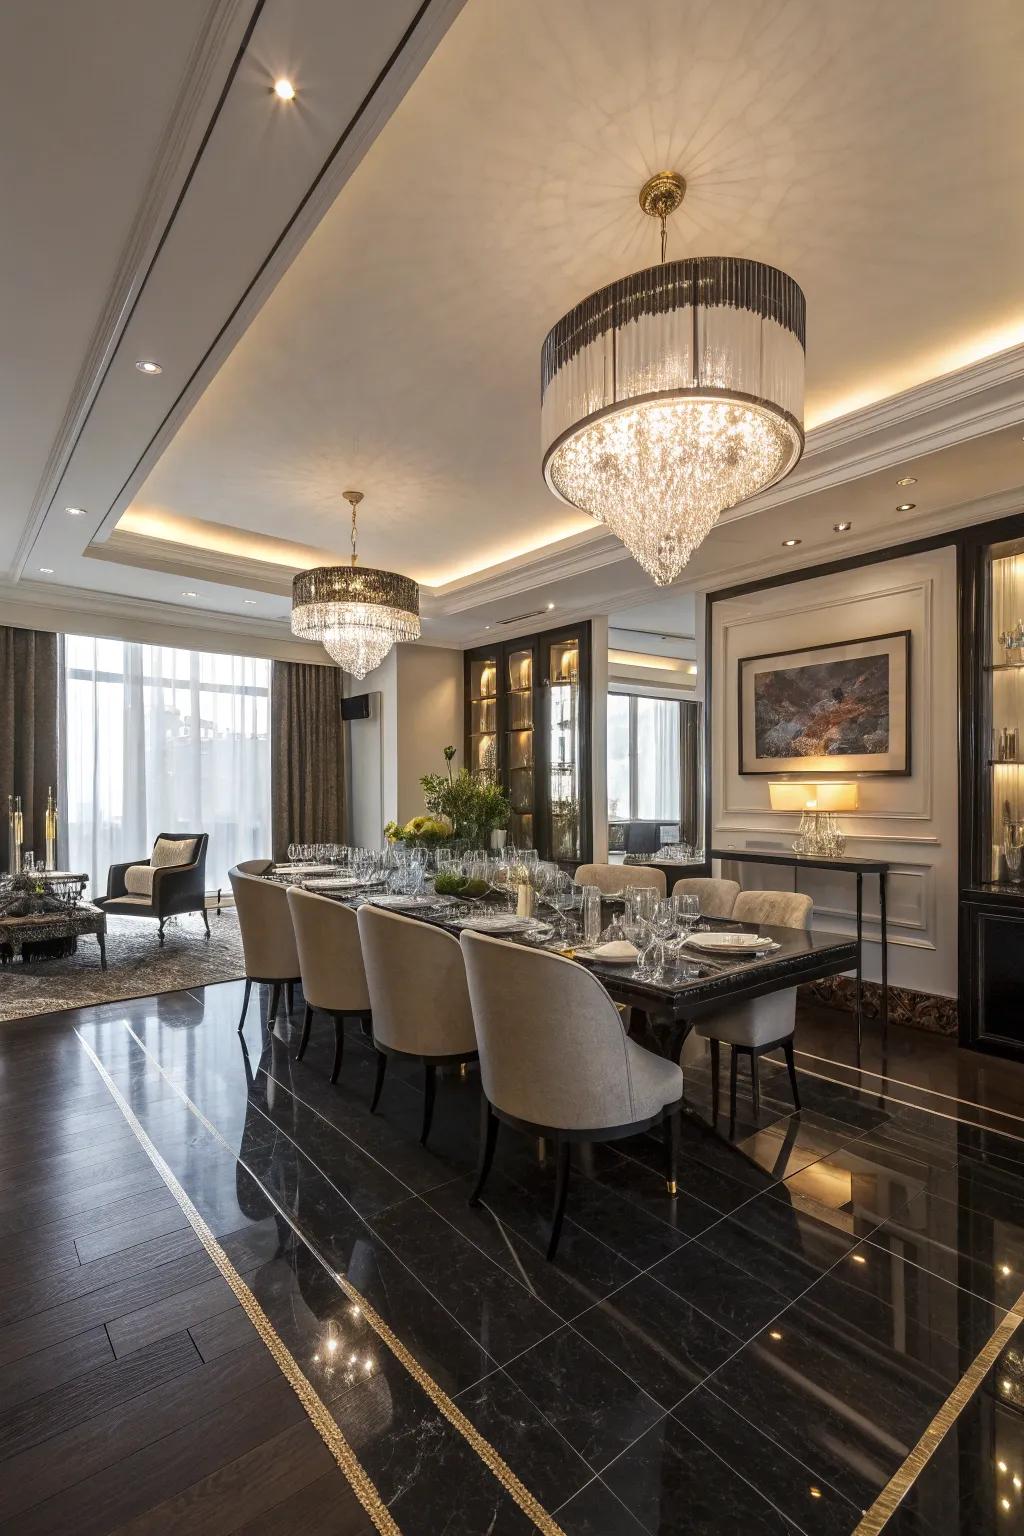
356, 613
673, 394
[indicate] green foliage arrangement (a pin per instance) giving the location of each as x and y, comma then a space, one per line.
473, 807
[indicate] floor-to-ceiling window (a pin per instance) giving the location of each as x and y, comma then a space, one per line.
163, 740
653, 769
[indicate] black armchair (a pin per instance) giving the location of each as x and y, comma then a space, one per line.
174, 887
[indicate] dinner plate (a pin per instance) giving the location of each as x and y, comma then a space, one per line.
301, 869
499, 922
335, 883
402, 903
730, 943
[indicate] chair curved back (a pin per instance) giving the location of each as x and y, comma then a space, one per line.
417, 985
784, 909
716, 897
268, 940
615, 877
330, 957
254, 866
553, 1051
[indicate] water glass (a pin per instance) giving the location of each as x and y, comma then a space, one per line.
591, 915
641, 901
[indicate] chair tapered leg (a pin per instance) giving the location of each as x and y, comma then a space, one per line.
561, 1194
382, 1066
206, 921
755, 1085
429, 1088
339, 1045
791, 1065
733, 1066
716, 1062
670, 1131
161, 933
489, 1123
289, 993
275, 1003
307, 1025
245, 1004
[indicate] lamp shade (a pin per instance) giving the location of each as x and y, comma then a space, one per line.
837, 797
792, 797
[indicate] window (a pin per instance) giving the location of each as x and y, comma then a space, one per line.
163, 740
644, 749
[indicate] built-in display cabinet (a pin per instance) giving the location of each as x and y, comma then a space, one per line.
992, 790
528, 728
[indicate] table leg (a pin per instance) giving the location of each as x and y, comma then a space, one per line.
102, 940
860, 958
885, 957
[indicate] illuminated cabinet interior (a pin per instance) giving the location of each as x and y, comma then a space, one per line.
1006, 714
528, 728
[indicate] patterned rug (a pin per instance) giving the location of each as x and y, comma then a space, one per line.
136, 966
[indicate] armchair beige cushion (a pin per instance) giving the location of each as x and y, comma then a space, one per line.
138, 880
168, 853
553, 1051
610, 878
716, 897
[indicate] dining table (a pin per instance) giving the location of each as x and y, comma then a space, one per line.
663, 1009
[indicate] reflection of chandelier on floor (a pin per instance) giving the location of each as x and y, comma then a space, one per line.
673, 394
355, 612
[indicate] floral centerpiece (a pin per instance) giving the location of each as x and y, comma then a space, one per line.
460, 808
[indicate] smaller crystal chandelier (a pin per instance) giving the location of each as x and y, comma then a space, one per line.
673, 394
356, 613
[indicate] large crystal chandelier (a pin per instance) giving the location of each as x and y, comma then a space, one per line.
673, 394
356, 613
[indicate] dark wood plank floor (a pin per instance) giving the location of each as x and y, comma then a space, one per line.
135, 1394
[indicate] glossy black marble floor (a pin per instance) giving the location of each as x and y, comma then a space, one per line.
760, 1355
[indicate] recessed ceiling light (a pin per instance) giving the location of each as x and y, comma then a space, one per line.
75, 511
841, 527
791, 543
250, 602
487, 626
907, 480
906, 506
190, 594
148, 365
550, 606
284, 90
46, 570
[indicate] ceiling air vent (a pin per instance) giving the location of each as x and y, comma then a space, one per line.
519, 618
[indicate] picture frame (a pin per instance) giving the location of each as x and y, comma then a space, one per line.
849, 699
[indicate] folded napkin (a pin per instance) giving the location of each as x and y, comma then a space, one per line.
615, 949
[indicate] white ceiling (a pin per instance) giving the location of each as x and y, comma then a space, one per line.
874, 151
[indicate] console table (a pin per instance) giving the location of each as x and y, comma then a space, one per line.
858, 867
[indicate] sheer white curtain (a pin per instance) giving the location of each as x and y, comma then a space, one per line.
163, 740
657, 759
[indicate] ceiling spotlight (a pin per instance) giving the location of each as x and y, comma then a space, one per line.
190, 594
550, 606
148, 365
841, 527
75, 511
791, 543
250, 602
284, 90
46, 570
906, 506
907, 480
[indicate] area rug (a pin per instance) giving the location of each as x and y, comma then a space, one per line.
136, 966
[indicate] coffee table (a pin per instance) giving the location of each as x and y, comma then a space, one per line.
46, 927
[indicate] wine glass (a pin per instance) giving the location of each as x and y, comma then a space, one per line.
687, 914
293, 852
663, 927
560, 893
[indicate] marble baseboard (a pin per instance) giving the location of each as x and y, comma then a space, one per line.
917, 1010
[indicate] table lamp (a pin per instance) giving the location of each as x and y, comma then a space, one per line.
818, 835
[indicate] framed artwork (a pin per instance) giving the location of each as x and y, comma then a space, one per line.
839, 708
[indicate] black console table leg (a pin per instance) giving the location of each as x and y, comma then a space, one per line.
860, 960
885, 958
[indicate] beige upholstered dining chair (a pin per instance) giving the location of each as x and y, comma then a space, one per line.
418, 999
716, 897
268, 941
556, 1062
331, 966
763, 1023
611, 878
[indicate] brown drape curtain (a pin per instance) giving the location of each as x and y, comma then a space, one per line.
28, 730
691, 762
308, 788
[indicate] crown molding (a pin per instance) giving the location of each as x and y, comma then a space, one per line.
223, 23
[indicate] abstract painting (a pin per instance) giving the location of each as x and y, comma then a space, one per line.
843, 707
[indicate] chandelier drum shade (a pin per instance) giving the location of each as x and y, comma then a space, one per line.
356, 613
672, 394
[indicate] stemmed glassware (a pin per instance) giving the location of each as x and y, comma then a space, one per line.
560, 894
662, 926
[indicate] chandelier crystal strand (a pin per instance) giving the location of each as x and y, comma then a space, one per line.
357, 613
673, 394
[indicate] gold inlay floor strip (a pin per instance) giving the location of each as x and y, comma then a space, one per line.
906, 1475
319, 1415
491, 1458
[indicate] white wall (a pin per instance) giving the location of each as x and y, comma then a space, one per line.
911, 821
